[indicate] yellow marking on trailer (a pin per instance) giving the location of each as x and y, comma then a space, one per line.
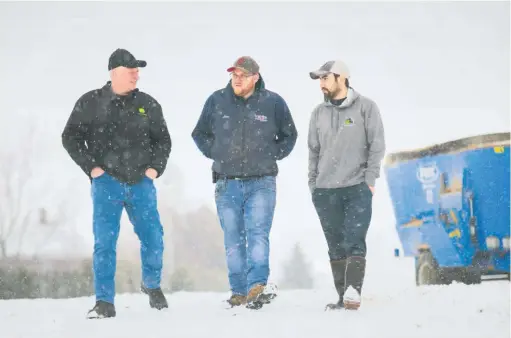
498, 149
455, 233
414, 223
453, 216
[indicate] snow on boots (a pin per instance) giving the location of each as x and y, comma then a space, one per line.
348, 278
354, 279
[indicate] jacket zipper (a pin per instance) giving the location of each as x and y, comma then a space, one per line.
243, 136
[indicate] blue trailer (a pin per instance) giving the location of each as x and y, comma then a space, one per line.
452, 208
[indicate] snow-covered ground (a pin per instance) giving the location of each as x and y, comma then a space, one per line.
391, 310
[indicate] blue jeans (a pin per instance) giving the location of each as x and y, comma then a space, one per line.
110, 197
245, 209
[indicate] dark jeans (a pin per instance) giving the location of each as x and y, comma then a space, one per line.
345, 214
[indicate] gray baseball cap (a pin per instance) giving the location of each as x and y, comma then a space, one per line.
334, 66
245, 63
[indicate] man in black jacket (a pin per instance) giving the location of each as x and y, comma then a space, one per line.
119, 138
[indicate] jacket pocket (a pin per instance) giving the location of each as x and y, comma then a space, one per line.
271, 151
220, 187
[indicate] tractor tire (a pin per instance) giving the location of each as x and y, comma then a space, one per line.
427, 271
467, 276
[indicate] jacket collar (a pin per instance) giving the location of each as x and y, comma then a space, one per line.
259, 86
107, 90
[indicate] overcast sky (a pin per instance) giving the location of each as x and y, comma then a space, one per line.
437, 70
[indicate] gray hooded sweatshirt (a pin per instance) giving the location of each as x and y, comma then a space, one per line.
346, 143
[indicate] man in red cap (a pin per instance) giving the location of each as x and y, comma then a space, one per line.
245, 129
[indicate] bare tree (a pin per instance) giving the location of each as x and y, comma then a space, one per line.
297, 271
197, 240
48, 225
23, 192
15, 179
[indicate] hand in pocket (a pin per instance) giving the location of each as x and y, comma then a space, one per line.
96, 172
151, 173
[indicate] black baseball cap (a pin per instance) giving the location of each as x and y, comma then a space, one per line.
122, 58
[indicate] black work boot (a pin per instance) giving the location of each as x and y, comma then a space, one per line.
338, 272
157, 299
355, 272
101, 310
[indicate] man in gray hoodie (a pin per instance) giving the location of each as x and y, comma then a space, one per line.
346, 146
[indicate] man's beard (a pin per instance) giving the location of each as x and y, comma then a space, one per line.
239, 90
242, 91
331, 94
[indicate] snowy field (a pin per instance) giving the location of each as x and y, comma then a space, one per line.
403, 311
397, 53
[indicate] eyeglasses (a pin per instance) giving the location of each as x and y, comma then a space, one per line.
241, 76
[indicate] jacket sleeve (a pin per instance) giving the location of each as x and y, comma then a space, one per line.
286, 129
375, 144
314, 149
74, 138
202, 134
161, 143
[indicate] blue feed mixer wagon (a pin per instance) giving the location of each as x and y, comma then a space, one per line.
452, 208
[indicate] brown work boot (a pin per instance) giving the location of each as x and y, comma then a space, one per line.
254, 293
237, 300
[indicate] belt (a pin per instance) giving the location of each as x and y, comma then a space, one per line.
239, 177
217, 177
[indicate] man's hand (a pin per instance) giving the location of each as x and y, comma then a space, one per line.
151, 173
371, 188
96, 172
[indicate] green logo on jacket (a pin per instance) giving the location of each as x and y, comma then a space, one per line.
141, 111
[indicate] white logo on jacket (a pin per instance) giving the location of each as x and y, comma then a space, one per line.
262, 118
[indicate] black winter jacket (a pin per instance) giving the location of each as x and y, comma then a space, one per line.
123, 135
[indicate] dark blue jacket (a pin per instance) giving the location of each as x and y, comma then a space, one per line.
245, 138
